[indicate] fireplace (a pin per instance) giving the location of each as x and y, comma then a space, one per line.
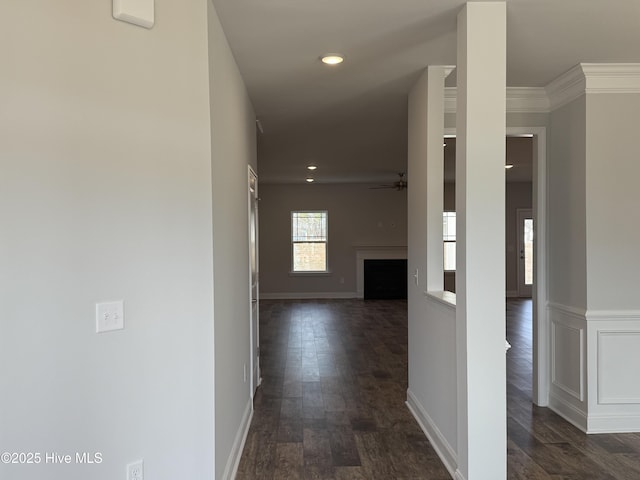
371, 252
385, 279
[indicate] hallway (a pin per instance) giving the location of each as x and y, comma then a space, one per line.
331, 405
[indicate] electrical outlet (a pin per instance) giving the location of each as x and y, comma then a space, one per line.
109, 316
135, 470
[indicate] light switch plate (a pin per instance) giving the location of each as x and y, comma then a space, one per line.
138, 12
109, 316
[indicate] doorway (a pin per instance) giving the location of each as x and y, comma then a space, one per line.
541, 336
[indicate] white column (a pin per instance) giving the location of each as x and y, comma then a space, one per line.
480, 206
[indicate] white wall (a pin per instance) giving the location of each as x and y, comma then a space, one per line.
358, 216
233, 147
594, 308
566, 195
105, 193
432, 388
612, 200
567, 261
613, 262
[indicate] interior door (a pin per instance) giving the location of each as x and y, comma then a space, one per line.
525, 252
254, 280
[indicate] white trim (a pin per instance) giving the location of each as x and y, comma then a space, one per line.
612, 77
569, 412
445, 298
519, 100
566, 88
593, 78
614, 423
438, 441
574, 312
306, 295
459, 476
612, 315
527, 100
311, 273
233, 461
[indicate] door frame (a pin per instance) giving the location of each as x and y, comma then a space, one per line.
254, 320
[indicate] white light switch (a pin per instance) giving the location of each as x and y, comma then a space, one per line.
109, 316
138, 12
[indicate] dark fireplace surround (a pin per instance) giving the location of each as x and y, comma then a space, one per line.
385, 279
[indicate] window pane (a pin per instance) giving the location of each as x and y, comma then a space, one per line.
309, 257
528, 251
309, 239
449, 226
309, 226
449, 255
449, 237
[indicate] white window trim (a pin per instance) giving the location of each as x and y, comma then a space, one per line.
309, 273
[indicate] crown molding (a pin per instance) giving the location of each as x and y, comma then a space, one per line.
567, 87
519, 100
593, 78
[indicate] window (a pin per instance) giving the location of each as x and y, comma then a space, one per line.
449, 237
528, 251
309, 241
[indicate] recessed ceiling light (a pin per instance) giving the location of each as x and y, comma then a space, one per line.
311, 167
508, 166
332, 58
309, 180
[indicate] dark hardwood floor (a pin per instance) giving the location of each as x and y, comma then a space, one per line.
331, 403
542, 445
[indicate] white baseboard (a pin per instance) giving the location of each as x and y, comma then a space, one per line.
306, 295
440, 444
459, 476
569, 412
614, 424
233, 461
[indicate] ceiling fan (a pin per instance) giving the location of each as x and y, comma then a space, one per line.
400, 185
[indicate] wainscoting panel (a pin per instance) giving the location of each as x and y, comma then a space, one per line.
618, 381
568, 364
613, 339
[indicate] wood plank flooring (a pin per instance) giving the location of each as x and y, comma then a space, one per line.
331, 405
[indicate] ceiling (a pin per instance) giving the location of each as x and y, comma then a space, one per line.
351, 119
